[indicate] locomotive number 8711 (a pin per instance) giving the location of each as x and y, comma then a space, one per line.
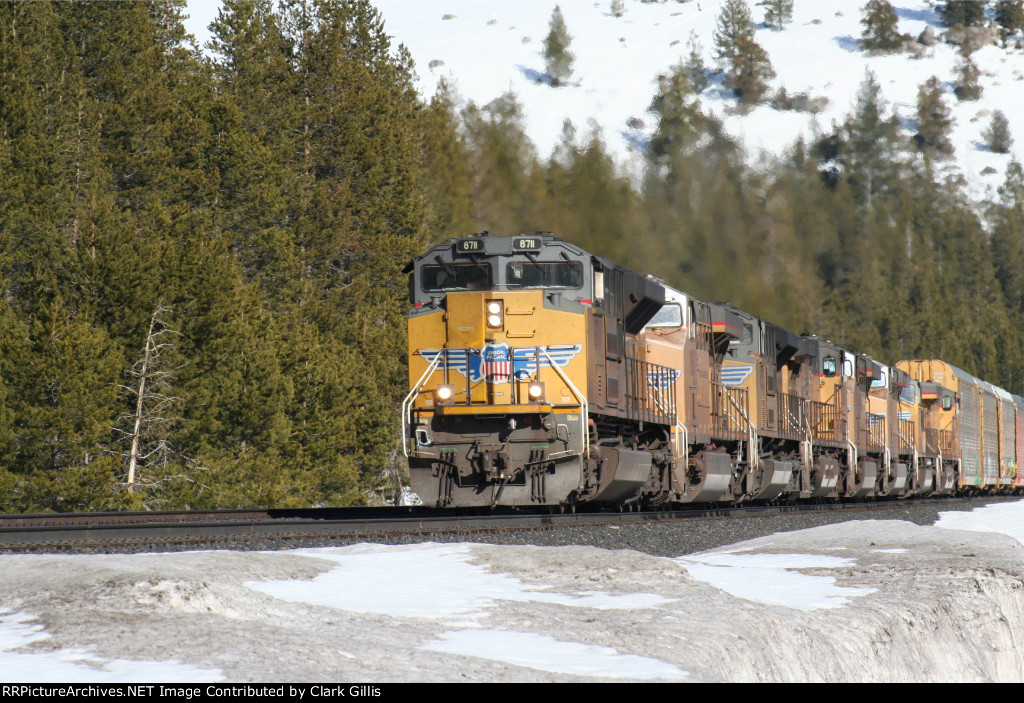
541, 375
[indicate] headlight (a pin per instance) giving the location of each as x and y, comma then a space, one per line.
444, 394
536, 392
495, 314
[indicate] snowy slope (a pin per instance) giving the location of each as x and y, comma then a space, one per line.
487, 48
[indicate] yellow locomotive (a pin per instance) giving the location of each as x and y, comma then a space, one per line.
541, 375
522, 355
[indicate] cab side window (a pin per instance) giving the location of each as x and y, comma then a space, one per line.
828, 367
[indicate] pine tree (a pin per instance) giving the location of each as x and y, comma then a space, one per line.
356, 212
934, 119
744, 62
13, 353
257, 96
253, 196
447, 193
733, 27
967, 85
871, 140
1010, 15
65, 420
880, 27
502, 161
997, 134
1007, 222
151, 91
696, 71
750, 71
963, 12
777, 13
680, 121
558, 59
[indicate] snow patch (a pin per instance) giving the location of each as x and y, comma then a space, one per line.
1004, 518
548, 654
79, 665
425, 581
774, 578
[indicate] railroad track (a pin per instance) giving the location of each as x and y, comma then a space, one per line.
282, 528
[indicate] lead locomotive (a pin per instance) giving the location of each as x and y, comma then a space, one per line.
543, 375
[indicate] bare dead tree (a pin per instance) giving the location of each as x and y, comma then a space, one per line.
149, 383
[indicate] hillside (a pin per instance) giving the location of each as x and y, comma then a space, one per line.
486, 49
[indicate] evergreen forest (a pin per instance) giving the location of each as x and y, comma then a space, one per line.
201, 255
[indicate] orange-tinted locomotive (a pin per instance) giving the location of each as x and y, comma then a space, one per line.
543, 375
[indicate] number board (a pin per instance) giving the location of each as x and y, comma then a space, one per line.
469, 246
526, 244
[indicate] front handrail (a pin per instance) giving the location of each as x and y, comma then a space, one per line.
650, 391
825, 422
584, 435
409, 399
683, 448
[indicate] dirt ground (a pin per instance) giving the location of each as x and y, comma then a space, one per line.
907, 603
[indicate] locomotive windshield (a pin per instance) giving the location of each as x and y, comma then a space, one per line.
543, 274
474, 276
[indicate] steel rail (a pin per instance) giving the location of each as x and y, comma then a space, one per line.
62, 532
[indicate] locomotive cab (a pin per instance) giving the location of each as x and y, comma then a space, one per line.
520, 350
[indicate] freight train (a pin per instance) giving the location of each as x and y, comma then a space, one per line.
542, 375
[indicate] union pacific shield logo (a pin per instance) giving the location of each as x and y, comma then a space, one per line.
495, 363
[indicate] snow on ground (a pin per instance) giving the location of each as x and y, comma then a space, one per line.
1003, 518
774, 578
901, 603
548, 654
77, 665
440, 581
379, 579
